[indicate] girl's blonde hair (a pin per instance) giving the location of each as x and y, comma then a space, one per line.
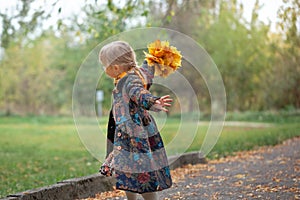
117, 53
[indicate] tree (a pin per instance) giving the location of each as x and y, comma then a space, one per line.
17, 29
285, 73
32, 82
22, 23
239, 49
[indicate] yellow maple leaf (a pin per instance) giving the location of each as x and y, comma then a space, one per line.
165, 58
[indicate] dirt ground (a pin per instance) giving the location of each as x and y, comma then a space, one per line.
264, 173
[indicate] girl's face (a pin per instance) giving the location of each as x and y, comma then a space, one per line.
113, 71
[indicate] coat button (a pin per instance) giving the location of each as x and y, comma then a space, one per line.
119, 134
119, 148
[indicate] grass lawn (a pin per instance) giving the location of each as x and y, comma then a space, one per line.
39, 151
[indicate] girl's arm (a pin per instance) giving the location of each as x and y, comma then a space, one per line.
148, 73
143, 98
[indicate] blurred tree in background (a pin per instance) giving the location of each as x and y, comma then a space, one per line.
260, 68
284, 76
23, 66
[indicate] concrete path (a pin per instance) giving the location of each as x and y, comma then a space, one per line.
265, 173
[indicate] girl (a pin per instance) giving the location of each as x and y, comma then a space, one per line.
138, 157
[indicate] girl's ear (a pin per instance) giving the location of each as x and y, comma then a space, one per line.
116, 67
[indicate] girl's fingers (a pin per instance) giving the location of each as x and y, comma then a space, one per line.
164, 109
164, 97
168, 100
164, 102
161, 107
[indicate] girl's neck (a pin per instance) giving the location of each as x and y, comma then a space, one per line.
122, 74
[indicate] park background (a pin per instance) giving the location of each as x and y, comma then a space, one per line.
258, 61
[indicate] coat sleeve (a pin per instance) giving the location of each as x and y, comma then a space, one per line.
148, 72
138, 94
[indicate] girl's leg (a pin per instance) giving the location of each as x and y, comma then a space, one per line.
150, 196
131, 195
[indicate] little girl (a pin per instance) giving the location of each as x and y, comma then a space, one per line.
138, 157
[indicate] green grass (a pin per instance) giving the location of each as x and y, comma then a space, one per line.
235, 139
37, 155
282, 116
39, 151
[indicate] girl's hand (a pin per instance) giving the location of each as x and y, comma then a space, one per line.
163, 102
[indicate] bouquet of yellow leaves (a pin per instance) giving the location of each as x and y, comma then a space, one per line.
165, 58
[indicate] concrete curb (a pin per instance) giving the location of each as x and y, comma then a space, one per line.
88, 186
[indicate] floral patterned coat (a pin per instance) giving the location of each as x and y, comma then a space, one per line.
140, 160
